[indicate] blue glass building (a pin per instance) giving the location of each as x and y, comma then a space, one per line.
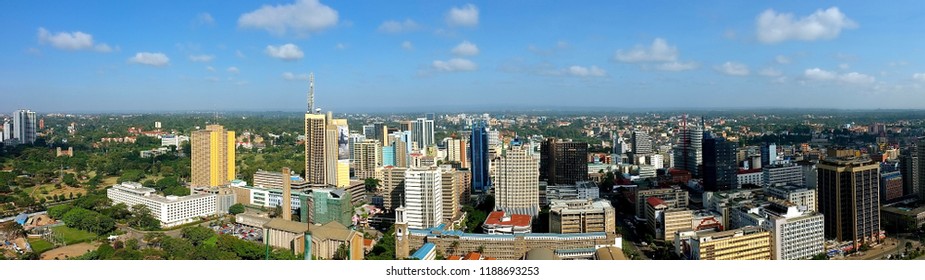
388, 156
478, 156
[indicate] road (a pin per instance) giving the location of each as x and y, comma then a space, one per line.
630, 236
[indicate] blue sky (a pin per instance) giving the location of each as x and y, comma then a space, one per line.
384, 55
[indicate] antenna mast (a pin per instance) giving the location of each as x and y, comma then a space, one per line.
311, 92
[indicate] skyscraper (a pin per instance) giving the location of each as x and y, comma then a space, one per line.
24, 126
563, 162
517, 182
919, 165
367, 157
315, 125
212, 156
908, 166
478, 155
849, 198
322, 149
642, 144
688, 149
423, 198
422, 133
768, 154
456, 151
719, 164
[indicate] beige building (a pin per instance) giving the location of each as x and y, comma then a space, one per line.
456, 151
674, 196
748, 243
392, 184
212, 156
322, 166
452, 181
517, 182
367, 156
799, 195
664, 221
325, 239
582, 216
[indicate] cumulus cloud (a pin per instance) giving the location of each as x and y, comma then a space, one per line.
72, 41
467, 15
233, 70
769, 72
773, 27
288, 52
151, 59
210, 68
659, 51
782, 59
733, 69
919, 76
466, 49
393, 26
454, 65
848, 78
676, 66
205, 19
407, 45
289, 76
581, 71
201, 58
300, 18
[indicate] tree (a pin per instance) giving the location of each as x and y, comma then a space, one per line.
154, 239
371, 184
70, 180
142, 218
235, 209
197, 235
342, 252
105, 251
177, 248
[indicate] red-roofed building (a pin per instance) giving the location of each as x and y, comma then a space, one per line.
499, 222
679, 175
655, 201
471, 256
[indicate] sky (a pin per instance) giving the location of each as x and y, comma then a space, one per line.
124, 56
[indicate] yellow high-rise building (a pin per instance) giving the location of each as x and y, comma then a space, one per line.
213, 156
323, 164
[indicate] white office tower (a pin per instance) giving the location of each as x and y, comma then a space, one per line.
517, 182
795, 234
24, 123
423, 197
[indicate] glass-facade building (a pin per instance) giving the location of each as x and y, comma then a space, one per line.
478, 156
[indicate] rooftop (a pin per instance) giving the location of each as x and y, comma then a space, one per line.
498, 218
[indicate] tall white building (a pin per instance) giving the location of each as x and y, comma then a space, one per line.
422, 133
783, 174
517, 182
170, 210
24, 123
795, 234
423, 198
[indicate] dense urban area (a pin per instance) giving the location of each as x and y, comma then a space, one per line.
549, 185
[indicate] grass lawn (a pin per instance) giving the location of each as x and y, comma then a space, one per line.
40, 245
72, 235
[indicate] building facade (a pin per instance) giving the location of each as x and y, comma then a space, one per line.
169, 210
719, 164
517, 182
423, 197
581, 216
849, 198
478, 155
213, 156
563, 162
367, 156
748, 243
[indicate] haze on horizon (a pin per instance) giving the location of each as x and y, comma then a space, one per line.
114, 56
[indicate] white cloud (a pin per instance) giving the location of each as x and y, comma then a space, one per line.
676, 66
844, 66
856, 78
289, 76
773, 27
340, 46
919, 76
152, 59
71, 41
299, 18
233, 70
239, 54
210, 68
393, 26
659, 51
205, 19
581, 71
407, 45
201, 58
848, 78
454, 65
819, 74
288, 52
733, 69
782, 59
466, 49
770, 72
467, 15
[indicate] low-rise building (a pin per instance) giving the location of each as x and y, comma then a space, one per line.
674, 197
902, 219
580, 190
796, 234
803, 197
750, 177
499, 222
581, 216
748, 243
169, 210
664, 221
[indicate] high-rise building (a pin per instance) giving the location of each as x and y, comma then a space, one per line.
380, 132
212, 156
23, 126
7, 131
456, 151
452, 182
354, 138
367, 157
919, 165
777, 174
388, 156
688, 149
517, 182
581, 216
642, 144
849, 198
478, 155
563, 162
422, 133
393, 186
908, 167
795, 234
423, 198
719, 164
315, 127
768, 154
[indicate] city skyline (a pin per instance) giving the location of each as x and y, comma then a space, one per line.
257, 56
